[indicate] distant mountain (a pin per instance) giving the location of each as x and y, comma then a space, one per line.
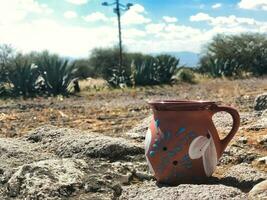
189, 59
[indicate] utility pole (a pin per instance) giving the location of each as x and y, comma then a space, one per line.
117, 10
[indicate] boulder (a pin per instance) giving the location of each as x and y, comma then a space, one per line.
15, 152
259, 191
49, 179
149, 191
74, 143
260, 102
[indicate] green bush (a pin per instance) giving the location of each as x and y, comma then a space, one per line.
186, 75
7, 54
23, 75
137, 68
234, 55
105, 61
58, 73
154, 70
84, 69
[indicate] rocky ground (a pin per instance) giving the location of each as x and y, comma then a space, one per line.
91, 147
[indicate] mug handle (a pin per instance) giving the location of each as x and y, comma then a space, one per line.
236, 123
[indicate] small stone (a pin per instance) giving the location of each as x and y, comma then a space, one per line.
125, 179
259, 191
260, 102
242, 140
117, 189
143, 176
262, 140
262, 160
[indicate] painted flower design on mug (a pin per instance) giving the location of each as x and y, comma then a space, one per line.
204, 147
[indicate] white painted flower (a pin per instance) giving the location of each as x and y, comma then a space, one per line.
147, 145
204, 147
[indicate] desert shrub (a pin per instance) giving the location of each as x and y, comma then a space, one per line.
84, 69
7, 54
143, 73
105, 61
233, 55
23, 75
154, 70
166, 67
58, 73
186, 75
137, 68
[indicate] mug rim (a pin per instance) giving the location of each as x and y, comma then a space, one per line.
162, 102
180, 104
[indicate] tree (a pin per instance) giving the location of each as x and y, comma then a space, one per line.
7, 54
232, 55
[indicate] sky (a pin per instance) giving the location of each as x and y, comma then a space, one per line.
74, 27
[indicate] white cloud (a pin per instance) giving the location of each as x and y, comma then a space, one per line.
170, 19
147, 36
229, 21
253, 4
12, 11
96, 16
136, 15
200, 17
44, 34
77, 2
217, 5
70, 15
154, 28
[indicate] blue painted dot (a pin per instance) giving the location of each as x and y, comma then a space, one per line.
157, 123
152, 153
181, 130
155, 145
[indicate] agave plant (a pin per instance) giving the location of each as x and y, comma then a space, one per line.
157, 70
23, 75
165, 68
144, 74
57, 72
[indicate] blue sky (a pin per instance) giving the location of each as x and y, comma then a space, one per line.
74, 27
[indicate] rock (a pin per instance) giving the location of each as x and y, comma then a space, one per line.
236, 154
242, 140
149, 191
262, 141
260, 102
73, 143
15, 152
258, 125
139, 132
262, 160
259, 191
49, 179
244, 176
143, 176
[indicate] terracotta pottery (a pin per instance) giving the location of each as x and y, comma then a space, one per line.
182, 143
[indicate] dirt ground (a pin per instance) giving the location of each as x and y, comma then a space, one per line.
113, 112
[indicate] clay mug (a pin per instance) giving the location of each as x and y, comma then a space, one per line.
182, 143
